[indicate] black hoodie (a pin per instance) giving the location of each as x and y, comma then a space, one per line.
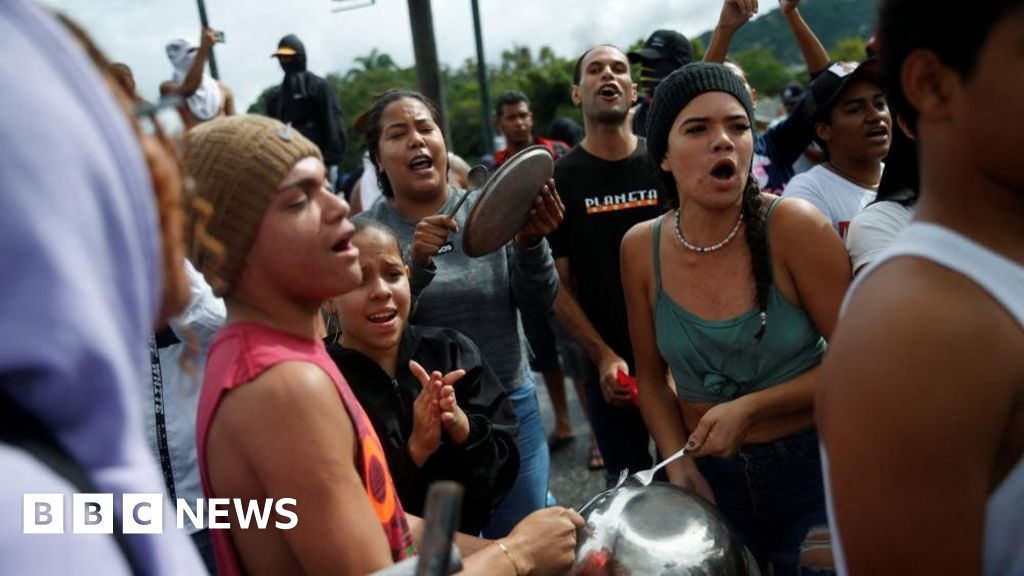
308, 103
486, 465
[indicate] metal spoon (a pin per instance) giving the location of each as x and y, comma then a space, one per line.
477, 178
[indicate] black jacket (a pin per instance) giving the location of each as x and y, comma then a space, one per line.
486, 465
308, 103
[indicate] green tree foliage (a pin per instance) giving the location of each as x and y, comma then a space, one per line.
764, 72
764, 47
697, 45
849, 49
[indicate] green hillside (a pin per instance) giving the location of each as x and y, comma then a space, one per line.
831, 20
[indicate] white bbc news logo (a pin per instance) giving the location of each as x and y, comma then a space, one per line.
144, 513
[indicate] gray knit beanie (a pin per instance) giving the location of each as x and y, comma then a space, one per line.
237, 164
676, 91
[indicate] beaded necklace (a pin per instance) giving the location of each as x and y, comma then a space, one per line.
713, 247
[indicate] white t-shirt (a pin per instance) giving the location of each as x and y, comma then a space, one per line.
874, 229
836, 197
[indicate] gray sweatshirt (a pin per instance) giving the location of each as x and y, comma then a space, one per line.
480, 297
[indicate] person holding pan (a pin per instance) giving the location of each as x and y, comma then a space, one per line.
481, 297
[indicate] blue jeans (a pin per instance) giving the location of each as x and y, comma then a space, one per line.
772, 494
529, 493
620, 432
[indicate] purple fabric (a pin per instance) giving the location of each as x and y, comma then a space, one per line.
80, 289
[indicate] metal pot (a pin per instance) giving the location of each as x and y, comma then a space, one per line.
657, 530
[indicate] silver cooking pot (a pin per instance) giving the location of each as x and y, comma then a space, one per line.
657, 530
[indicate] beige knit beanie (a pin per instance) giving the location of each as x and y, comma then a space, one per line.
237, 164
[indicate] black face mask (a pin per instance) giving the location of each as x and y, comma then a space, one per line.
291, 65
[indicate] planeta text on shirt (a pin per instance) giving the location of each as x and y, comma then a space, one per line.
624, 201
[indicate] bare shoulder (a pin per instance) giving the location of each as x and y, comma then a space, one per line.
916, 398
920, 340
802, 237
639, 232
295, 381
637, 245
300, 395
796, 218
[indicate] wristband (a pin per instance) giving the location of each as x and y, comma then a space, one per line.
511, 558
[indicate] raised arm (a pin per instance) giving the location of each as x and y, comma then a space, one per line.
534, 281
815, 55
194, 77
430, 235
735, 13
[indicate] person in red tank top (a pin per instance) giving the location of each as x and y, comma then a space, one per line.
276, 419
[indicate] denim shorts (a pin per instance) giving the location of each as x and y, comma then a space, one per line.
771, 494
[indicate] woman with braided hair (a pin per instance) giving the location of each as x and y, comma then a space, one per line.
735, 292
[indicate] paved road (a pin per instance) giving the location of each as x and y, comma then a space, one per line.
571, 482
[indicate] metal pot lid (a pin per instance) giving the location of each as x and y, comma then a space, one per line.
505, 201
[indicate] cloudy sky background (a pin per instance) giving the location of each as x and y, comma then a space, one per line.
135, 31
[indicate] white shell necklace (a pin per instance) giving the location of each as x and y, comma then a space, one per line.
713, 247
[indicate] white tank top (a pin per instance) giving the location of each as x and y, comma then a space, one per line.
1003, 279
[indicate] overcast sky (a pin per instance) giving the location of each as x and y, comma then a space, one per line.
135, 31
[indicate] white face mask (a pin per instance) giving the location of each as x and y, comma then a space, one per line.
205, 102
181, 53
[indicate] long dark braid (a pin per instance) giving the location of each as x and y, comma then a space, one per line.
754, 218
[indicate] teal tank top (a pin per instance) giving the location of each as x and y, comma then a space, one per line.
719, 360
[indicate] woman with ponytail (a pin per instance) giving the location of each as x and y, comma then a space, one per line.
733, 293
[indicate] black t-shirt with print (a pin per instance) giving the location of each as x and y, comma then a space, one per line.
603, 200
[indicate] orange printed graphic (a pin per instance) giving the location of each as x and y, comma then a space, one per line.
378, 480
622, 206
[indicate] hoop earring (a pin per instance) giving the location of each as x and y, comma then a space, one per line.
337, 327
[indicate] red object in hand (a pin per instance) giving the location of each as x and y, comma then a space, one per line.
595, 564
628, 382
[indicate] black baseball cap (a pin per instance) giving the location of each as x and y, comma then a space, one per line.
827, 87
664, 45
